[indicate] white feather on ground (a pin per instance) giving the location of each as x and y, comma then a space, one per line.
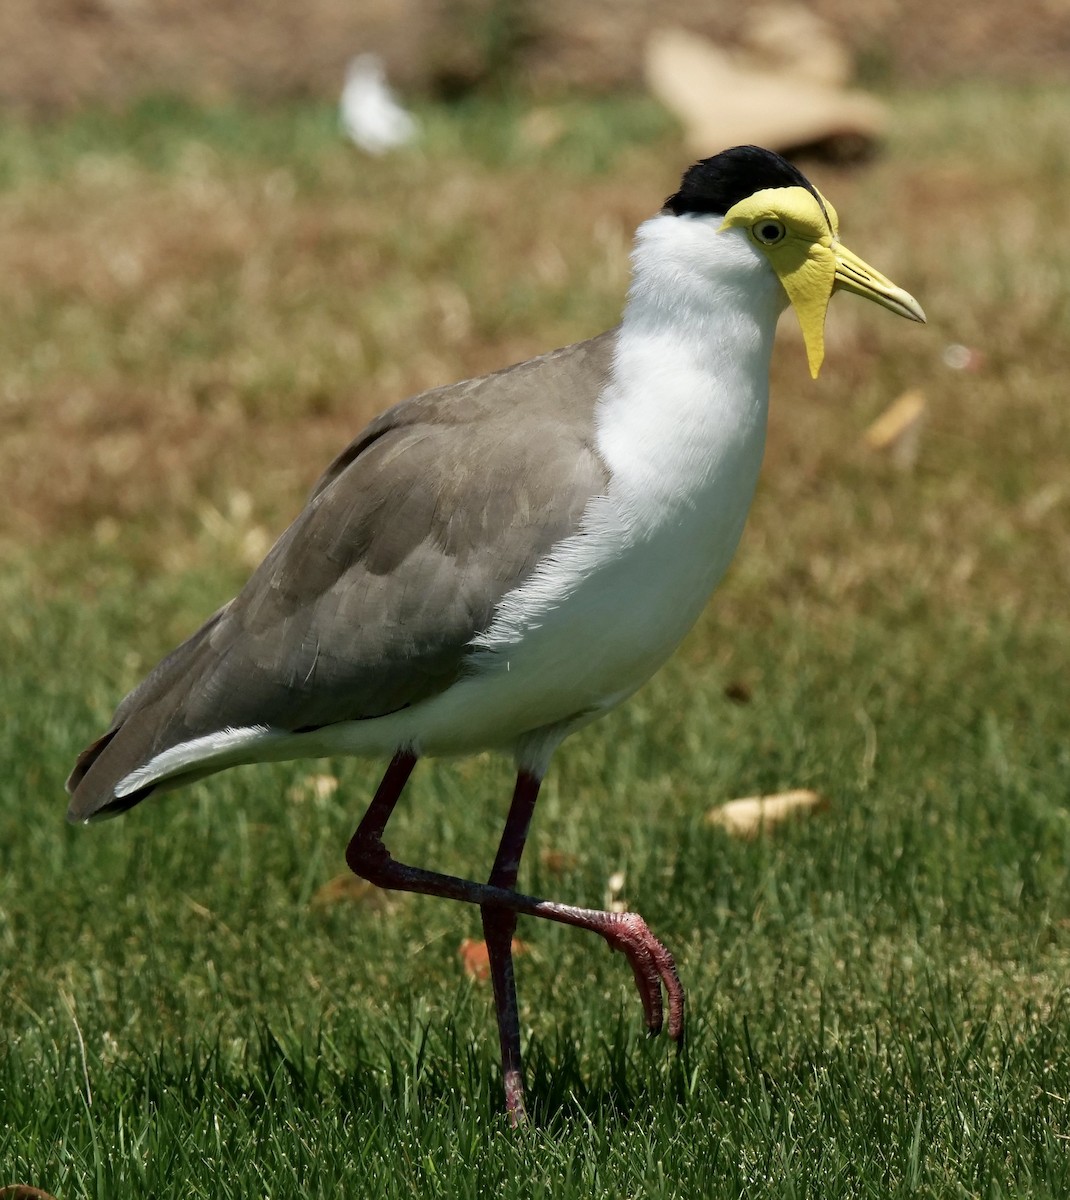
370, 115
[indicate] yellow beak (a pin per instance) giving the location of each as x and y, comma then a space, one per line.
811, 276
853, 275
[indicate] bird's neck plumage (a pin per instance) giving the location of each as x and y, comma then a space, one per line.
681, 424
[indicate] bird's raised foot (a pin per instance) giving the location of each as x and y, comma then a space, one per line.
653, 967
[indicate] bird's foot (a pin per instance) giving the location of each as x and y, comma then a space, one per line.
514, 1097
652, 966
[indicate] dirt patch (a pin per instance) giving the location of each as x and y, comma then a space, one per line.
59, 54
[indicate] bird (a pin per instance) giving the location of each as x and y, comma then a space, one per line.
370, 115
495, 564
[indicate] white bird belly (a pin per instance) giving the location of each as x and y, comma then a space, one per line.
584, 633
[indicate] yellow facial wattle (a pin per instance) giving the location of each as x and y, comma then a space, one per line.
797, 231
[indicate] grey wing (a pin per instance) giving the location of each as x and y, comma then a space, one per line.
368, 602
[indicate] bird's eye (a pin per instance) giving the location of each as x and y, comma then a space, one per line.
769, 232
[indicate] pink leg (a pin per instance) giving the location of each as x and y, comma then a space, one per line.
651, 963
499, 925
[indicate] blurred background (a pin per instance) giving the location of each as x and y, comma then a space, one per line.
59, 55
202, 234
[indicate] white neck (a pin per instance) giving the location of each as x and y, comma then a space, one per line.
681, 425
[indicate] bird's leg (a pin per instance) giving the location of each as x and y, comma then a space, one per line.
651, 962
366, 851
499, 925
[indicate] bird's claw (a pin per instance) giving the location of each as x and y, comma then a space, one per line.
653, 968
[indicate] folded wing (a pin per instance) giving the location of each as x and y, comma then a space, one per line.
367, 603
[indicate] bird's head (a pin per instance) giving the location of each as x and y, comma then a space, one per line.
787, 219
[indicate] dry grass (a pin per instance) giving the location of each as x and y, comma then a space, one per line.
169, 328
61, 55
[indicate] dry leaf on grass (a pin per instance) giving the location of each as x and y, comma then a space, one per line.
897, 430
559, 862
475, 958
542, 127
347, 889
614, 899
314, 787
747, 817
1040, 504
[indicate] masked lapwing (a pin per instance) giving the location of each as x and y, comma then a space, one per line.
495, 564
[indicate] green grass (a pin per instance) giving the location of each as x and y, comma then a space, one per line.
878, 993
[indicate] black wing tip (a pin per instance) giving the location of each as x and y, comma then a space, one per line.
111, 806
90, 806
88, 757
718, 183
